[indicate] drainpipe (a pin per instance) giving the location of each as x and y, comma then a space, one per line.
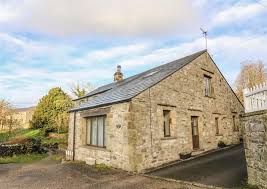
150, 122
73, 142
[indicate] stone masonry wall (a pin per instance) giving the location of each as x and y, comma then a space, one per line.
118, 136
255, 138
134, 130
183, 94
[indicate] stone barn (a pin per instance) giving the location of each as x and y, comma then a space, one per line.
148, 119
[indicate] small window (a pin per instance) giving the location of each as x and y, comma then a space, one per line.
235, 127
207, 81
217, 125
96, 131
166, 123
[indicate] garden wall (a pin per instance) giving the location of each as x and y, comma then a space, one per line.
255, 140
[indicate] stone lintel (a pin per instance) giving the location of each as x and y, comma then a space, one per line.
167, 105
192, 109
207, 71
95, 112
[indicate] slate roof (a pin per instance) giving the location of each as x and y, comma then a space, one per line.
130, 87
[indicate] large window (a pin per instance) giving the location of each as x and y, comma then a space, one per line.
166, 123
96, 131
217, 125
207, 81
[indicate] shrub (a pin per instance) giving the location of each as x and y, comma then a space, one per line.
221, 144
51, 111
46, 131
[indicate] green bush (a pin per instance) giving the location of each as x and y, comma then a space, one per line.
51, 111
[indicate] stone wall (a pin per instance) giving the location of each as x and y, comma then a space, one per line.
134, 130
119, 151
255, 138
183, 94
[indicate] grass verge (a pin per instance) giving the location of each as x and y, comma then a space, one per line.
25, 158
18, 134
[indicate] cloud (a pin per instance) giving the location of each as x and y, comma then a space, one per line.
7, 11
119, 17
227, 51
117, 52
236, 13
24, 80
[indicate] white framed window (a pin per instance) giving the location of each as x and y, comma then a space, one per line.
96, 131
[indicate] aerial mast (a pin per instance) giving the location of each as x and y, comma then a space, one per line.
205, 34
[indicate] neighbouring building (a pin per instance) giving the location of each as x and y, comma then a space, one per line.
23, 116
148, 119
254, 122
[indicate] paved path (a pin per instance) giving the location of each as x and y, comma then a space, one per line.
225, 168
48, 174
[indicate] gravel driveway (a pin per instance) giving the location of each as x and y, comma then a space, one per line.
224, 168
48, 174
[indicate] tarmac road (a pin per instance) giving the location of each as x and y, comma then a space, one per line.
226, 168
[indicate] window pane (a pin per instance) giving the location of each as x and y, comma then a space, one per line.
100, 124
195, 131
94, 131
207, 81
166, 115
217, 125
194, 126
88, 132
234, 125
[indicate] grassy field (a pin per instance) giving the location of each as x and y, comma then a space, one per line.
25, 158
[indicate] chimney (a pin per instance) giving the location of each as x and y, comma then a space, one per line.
118, 76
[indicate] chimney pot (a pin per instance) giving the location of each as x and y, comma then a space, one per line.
118, 76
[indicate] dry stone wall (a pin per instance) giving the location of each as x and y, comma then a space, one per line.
255, 138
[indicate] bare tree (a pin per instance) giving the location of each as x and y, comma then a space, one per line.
251, 74
81, 89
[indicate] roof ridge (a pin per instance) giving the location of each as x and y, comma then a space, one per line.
129, 88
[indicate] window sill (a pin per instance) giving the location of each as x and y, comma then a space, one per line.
95, 148
218, 135
168, 138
